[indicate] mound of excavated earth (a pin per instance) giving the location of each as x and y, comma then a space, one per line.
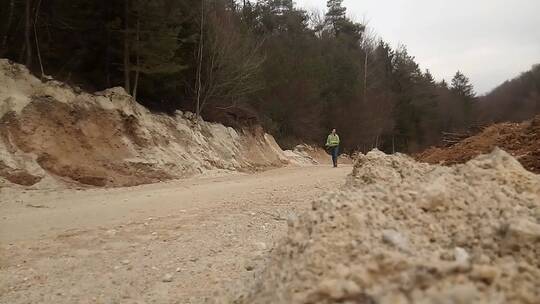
408, 232
521, 140
52, 134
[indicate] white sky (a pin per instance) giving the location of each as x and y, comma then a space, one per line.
489, 40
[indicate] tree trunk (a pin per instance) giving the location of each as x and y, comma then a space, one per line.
198, 107
127, 73
108, 50
365, 76
8, 24
138, 71
37, 40
27, 30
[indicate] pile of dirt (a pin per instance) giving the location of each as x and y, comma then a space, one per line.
53, 135
521, 140
408, 232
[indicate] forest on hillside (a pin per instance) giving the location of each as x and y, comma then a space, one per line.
267, 62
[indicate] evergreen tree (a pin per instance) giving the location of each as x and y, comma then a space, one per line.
464, 91
336, 12
443, 84
462, 86
278, 7
336, 19
429, 77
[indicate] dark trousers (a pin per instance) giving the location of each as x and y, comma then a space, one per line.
335, 153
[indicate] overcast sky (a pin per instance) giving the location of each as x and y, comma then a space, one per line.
489, 40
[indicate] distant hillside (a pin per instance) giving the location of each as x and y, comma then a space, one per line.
514, 100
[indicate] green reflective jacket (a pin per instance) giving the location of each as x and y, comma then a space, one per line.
332, 140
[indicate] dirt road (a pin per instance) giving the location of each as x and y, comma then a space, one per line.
178, 242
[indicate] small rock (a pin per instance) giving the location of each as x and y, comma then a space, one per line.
395, 239
482, 259
394, 298
126, 262
536, 213
178, 269
249, 267
261, 246
521, 229
461, 255
463, 294
338, 289
292, 219
484, 273
462, 259
167, 278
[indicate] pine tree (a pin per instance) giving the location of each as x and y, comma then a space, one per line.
278, 7
443, 84
336, 11
464, 91
336, 19
429, 77
462, 86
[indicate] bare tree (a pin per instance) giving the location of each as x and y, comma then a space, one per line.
231, 67
127, 61
138, 58
368, 45
27, 30
198, 107
37, 40
316, 21
8, 23
228, 63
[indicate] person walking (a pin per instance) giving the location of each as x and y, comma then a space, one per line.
332, 143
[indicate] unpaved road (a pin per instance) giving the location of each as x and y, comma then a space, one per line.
178, 242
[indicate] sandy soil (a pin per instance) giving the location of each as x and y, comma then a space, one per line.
176, 242
404, 232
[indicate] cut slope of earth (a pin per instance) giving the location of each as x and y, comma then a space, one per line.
409, 232
52, 134
522, 140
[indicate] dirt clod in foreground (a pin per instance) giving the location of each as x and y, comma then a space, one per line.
409, 232
521, 140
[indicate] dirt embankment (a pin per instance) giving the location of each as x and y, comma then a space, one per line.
521, 140
407, 232
52, 134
